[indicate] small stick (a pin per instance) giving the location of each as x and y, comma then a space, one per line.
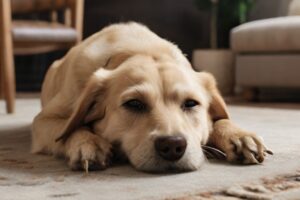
86, 166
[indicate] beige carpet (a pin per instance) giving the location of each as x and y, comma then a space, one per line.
27, 176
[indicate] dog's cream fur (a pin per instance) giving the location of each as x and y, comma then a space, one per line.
83, 94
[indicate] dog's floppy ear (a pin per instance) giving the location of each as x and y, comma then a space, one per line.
116, 60
217, 106
83, 112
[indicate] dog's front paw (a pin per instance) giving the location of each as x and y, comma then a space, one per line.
246, 148
87, 151
240, 146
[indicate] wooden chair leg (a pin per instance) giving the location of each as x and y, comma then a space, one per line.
251, 94
1, 80
7, 56
9, 81
8, 85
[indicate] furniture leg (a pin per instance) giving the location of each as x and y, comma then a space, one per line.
7, 59
251, 94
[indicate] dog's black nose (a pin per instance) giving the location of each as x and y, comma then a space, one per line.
170, 148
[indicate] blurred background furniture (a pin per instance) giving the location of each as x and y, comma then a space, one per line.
24, 37
178, 20
268, 52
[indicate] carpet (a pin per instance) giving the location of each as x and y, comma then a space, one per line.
28, 176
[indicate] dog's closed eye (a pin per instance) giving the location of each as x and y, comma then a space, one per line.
136, 105
189, 104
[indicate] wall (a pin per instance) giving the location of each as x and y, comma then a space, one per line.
177, 20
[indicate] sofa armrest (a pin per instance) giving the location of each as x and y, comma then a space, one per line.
294, 8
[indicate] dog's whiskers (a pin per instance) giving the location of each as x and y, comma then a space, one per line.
208, 154
211, 152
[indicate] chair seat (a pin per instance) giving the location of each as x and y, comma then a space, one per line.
42, 32
280, 34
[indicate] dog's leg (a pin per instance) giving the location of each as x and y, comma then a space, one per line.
88, 151
82, 147
239, 145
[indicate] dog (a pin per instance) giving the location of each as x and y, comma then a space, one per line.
125, 85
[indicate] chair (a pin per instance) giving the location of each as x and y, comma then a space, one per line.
268, 52
25, 37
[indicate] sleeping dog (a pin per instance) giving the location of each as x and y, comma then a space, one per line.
127, 85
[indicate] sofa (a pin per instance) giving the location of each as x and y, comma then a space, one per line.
267, 52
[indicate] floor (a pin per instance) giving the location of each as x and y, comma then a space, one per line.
27, 176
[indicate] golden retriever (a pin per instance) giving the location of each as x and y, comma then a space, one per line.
125, 85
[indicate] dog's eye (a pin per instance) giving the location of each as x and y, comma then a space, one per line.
188, 104
135, 105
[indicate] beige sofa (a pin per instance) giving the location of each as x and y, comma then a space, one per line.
268, 52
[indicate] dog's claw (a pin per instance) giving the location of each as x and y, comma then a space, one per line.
86, 166
268, 151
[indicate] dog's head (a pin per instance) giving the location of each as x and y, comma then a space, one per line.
159, 112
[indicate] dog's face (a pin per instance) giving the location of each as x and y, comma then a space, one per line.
157, 111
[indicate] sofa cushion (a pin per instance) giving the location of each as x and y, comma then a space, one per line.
268, 35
